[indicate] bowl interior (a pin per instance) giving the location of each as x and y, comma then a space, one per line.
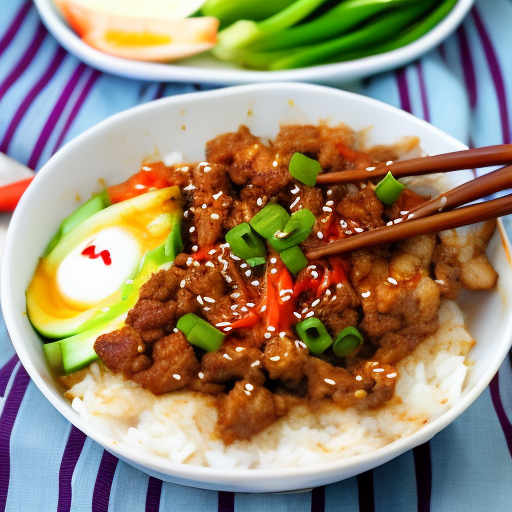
114, 149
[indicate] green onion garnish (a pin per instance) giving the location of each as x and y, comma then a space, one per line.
254, 262
200, 333
314, 334
297, 229
388, 189
245, 243
304, 169
174, 243
294, 259
347, 341
270, 219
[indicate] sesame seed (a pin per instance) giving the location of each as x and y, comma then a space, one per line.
391, 375
273, 260
234, 257
206, 308
282, 334
404, 212
348, 232
200, 300
249, 386
233, 307
189, 187
327, 209
295, 190
334, 297
300, 344
259, 201
315, 303
204, 206
140, 186
227, 329
329, 381
366, 294
310, 314
209, 264
213, 251
389, 162
255, 282
263, 308
256, 363
192, 229
297, 315
267, 335
244, 309
392, 280
200, 375
194, 248
243, 265
248, 273
225, 356
328, 292
176, 376
274, 164
378, 370
217, 195
235, 295
439, 281
343, 224
320, 235
273, 271
207, 169
329, 203
271, 328
183, 283
275, 358
358, 377
175, 330
286, 298
247, 392
390, 223
314, 274
329, 192
358, 230
397, 221
240, 349
297, 199
410, 216
209, 299
185, 214
215, 216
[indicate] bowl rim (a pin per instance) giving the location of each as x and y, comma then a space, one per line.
326, 73
211, 477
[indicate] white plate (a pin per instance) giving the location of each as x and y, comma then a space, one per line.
114, 149
206, 69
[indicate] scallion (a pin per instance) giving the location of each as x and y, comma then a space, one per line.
388, 189
294, 259
347, 341
304, 169
297, 229
200, 333
314, 334
269, 220
245, 243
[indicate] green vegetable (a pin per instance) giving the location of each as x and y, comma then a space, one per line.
244, 32
297, 229
97, 203
174, 242
347, 341
229, 11
270, 219
53, 356
338, 20
254, 262
314, 334
245, 243
388, 189
294, 259
200, 333
304, 169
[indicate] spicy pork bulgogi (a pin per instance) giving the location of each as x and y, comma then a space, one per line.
272, 330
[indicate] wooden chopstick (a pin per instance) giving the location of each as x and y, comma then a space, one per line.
466, 193
447, 162
432, 224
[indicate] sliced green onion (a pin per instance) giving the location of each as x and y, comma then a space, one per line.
200, 333
254, 262
347, 341
245, 243
294, 259
314, 334
94, 205
304, 169
388, 189
270, 219
297, 229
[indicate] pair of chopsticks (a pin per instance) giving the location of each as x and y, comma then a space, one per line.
425, 218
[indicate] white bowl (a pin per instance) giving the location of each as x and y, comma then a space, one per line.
206, 69
114, 149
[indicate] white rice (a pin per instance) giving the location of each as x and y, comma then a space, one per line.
180, 426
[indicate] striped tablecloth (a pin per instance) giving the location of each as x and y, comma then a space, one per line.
47, 97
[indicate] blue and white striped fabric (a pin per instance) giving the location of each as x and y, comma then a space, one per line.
47, 97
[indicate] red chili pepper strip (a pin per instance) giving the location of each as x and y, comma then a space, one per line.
305, 284
347, 153
11, 193
280, 306
338, 271
138, 184
247, 321
202, 254
326, 282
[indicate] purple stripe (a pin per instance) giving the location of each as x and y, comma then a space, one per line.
160, 91
423, 467
318, 499
423, 92
76, 107
506, 426
496, 74
226, 502
103, 485
153, 494
403, 90
24, 60
7, 419
365, 492
468, 66
55, 114
6, 372
15, 26
76, 440
30, 97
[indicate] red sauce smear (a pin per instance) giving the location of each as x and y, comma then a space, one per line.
90, 252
